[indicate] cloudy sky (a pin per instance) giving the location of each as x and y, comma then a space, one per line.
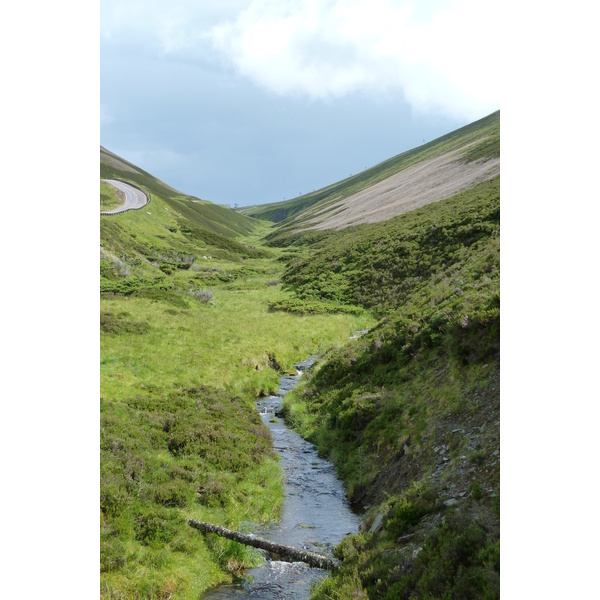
253, 101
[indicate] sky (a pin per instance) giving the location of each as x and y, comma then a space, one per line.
246, 102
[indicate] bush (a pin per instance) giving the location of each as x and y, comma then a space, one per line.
459, 560
130, 285
112, 554
116, 324
155, 525
114, 496
405, 512
112, 267
172, 493
303, 306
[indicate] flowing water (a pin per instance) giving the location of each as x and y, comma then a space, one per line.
316, 514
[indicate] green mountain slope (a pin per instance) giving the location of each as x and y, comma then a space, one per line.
477, 143
409, 412
172, 232
199, 213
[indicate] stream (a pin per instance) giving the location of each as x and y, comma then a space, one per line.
316, 514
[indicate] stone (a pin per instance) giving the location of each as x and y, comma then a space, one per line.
376, 523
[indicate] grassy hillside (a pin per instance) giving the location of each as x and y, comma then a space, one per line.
197, 213
409, 413
182, 361
482, 138
172, 233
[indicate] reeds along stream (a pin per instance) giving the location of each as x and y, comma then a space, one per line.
316, 514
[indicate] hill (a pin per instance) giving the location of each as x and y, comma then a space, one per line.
171, 231
429, 173
200, 213
409, 412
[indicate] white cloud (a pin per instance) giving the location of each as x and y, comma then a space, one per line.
444, 55
165, 26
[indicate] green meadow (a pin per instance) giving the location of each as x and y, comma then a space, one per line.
187, 346
180, 434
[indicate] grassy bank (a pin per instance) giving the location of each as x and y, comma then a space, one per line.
110, 197
188, 342
409, 412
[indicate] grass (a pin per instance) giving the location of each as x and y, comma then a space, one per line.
458, 558
110, 197
180, 434
214, 344
382, 406
199, 317
447, 249
188, 342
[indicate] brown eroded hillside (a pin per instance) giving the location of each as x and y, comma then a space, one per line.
426, 182
435, 171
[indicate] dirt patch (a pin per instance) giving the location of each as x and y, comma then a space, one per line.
427, 182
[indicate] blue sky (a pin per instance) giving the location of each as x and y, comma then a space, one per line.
253, 101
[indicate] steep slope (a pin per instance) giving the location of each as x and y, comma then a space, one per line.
430, 173
201, 213
409, 412
170, 233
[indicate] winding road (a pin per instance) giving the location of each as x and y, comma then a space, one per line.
134, 197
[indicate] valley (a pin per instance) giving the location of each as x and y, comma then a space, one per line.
204, 309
